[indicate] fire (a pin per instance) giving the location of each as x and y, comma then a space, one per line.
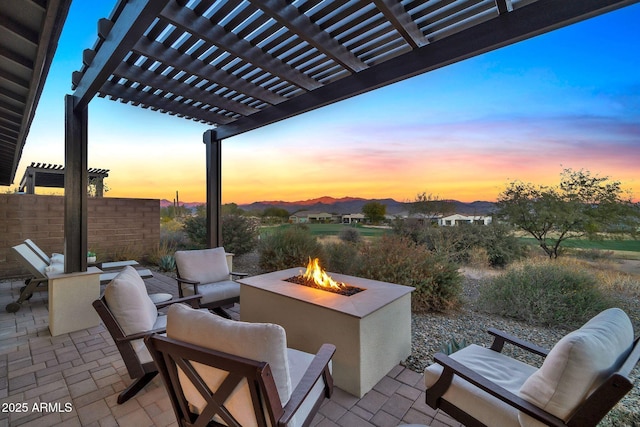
319, 276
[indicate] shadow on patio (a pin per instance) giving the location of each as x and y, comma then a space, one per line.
79, 375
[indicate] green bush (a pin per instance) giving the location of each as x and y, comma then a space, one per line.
239, 234
288, 247
399, 260
196, 229
341, 258
545, 293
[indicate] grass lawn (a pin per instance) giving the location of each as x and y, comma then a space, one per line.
605, 245
321, 230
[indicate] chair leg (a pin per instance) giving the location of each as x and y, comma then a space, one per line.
137, 385
221, 312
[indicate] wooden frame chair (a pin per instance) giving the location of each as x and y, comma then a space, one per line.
128, 332
580, 381
206, 272
37, 267
207, 386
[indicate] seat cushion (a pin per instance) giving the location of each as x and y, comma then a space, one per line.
263, 342
578, 364
140, 348
127, 298
212, 292
299, 362
204, 265
497, 368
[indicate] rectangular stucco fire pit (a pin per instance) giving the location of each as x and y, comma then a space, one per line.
371, 329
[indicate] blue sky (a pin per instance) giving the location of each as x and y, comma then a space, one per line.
570, 98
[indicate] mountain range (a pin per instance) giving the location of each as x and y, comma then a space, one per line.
346, 205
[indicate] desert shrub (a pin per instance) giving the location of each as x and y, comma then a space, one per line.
127, 252
452, 346
196, 229
163, 249
399, 260
172, 234
167, 263
500, 243
287, 247
458, 243
341, 257
545, 293
349, 234
239, 234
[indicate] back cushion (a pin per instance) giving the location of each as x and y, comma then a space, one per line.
578, 364
204, 266
263, 342
127, 298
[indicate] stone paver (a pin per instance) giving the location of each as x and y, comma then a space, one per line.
74, 379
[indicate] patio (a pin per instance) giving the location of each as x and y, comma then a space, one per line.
85, 370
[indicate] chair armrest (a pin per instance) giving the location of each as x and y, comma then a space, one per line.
191, 299
240, 275
187, 281
139, 335
500, 337
319, 367
452, 367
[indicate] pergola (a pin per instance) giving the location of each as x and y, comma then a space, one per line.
237, 65
29, 33
52, 176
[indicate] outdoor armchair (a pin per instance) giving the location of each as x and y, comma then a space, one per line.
206, 272
218, 370
129, 314
38, 268
582, 377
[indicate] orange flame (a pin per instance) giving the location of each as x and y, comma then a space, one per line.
319, 276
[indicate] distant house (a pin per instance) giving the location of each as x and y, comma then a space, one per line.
457, 219
305, 217
352, 218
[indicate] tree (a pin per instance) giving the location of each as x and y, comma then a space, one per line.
375, 211
279, 214
430, 206
582, 205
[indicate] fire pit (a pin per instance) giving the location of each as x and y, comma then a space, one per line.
371, 329
316, 277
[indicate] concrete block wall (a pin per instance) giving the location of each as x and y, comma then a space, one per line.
117, 227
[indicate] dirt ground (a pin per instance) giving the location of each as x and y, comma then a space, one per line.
631, 266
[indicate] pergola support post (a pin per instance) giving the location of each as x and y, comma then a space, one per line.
75, 188
214, 189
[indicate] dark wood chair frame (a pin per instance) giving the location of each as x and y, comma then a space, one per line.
170, 354
141, 373
589, 413
215, 306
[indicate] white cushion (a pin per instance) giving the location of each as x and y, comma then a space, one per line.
214, 291
299, 362
127, 298
204, 266
497, 368
578, 364
257, 341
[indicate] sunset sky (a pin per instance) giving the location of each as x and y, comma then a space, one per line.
567, 99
